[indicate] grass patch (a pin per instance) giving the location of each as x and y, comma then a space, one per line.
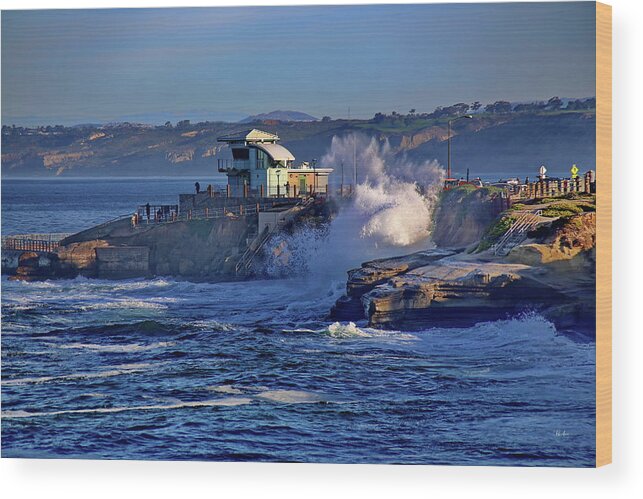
562, 210
587, 207
495, 231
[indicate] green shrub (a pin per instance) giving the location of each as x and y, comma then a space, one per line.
586, 207
562, 210
495, 231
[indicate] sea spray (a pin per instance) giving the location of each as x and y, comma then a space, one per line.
389, 213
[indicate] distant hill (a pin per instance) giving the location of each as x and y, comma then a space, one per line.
280, 116
489, 144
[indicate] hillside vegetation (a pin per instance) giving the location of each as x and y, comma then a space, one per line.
515, 141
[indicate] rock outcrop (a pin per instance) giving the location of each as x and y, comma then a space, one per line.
564, 239
454, 292
374, 273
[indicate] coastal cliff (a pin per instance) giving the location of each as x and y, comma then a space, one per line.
463, 215
551, 273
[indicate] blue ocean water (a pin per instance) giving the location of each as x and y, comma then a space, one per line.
254, 371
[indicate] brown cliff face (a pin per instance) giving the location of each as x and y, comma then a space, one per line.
463, 215
58, 158
417, 139
563, 240
553, 274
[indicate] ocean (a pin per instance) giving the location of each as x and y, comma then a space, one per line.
255, 371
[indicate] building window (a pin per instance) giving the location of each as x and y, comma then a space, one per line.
261, 159
242, 154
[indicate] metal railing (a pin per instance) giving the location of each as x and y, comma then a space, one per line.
139, 219
517, 232
33, 242
223, 165
245, 262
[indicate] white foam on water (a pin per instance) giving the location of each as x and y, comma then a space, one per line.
226, 402
107, 373
351, 330
224, 389
134, 347
124, 304
290, 396
389, 214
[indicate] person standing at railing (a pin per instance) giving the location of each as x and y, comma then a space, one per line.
197, 187
147, 212
209, 190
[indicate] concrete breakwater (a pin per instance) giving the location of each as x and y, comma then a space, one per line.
204, 244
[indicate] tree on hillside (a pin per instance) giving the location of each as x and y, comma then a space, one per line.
498, 107
460, 108
528, 107
580, 104
379, 117
475, 106
326, 118
554, 104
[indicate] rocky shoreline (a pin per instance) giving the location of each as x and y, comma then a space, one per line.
550, 273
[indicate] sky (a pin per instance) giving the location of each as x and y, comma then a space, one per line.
152, 65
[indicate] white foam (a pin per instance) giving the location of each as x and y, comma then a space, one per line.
107, 373
124, 304
134, 347
226, 402
351, 330
339, 330
390, 210
224, 389
290, 396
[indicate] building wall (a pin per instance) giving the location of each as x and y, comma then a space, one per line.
274, 180
297, 180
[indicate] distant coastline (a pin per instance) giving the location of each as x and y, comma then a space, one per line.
499, 139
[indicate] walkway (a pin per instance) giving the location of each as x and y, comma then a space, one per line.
43, 243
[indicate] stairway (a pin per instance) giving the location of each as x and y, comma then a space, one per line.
517, 233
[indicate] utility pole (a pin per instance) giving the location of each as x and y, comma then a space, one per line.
354, 162
466, 116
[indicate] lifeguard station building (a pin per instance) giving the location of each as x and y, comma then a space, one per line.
260, 167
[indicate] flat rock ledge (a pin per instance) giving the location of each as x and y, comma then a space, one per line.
445, 288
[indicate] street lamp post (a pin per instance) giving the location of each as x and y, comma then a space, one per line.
466, 116
278, 172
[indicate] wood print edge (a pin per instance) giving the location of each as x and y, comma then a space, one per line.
603, 234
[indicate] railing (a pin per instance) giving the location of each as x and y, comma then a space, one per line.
139, 219
224, 165
244, 263
33, 242
148, 213
517, 232
552, 187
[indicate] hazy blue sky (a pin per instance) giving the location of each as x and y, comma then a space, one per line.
72, 66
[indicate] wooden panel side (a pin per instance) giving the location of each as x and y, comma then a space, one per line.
603, 234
